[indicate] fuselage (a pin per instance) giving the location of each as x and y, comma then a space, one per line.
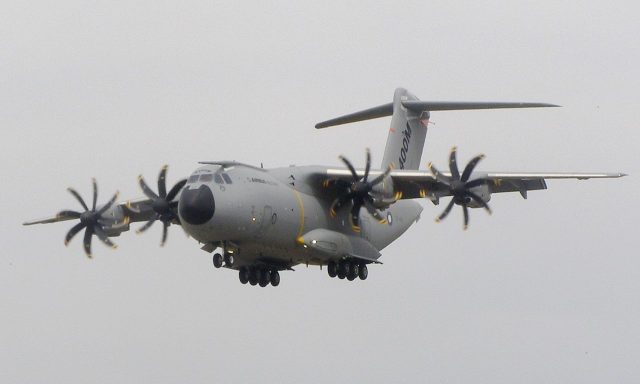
263, 214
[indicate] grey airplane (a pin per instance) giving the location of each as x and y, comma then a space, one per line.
260, 222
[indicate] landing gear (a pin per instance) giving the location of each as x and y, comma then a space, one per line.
217, 260
275, 278
332, 268
264, 278
347, 269
253, 276
353, 271
259, 276
363, 272
228, 259
244, 275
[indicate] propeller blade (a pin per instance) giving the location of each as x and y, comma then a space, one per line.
95, 193
446, 211
439, 176
109, 204
337, 203
87, 241
453, 164
465, 211
176, 188
68, 215
470, 166
78, 197
147, 225
475, 183
162, 184
350, 166
164, 233
381, 177
479, 201
367, 167
355, 217
103, 237
374, 212
72, 232
145, 189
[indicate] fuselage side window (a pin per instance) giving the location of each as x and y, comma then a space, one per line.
227, 178
218, 179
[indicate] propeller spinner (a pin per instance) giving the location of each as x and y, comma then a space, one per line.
460, 187
90, 220
359, 193
163, 203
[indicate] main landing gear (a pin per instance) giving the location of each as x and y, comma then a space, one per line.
348, 269
259, 276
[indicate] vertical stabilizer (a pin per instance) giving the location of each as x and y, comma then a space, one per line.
407, 134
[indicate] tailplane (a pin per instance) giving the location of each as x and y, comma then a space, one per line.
409, 121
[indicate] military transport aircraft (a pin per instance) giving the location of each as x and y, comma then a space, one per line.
262, 221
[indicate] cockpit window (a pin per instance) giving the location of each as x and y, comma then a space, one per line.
206, 177
227, 178
218, 179
192, 179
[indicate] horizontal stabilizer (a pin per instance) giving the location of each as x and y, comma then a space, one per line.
367, 114
420, 106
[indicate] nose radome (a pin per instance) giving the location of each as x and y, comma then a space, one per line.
197, 205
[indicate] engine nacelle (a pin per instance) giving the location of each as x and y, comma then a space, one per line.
483, 192
383, 193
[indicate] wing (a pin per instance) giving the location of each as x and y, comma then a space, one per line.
423, 184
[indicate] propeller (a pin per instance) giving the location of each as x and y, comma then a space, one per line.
460, 187
359, 193
90, 220
164, 207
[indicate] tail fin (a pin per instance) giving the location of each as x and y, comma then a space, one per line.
409, 120
406, 135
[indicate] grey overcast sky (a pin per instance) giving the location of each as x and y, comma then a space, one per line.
545, 290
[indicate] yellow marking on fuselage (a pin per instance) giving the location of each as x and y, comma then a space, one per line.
301, 206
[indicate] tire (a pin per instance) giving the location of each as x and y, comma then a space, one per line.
253, 276
264, 278
363, 272
275, 278
332, 269
228, 259
243, 274
217, 260
353, 269
343, 268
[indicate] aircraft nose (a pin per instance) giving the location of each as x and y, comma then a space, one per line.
197, 205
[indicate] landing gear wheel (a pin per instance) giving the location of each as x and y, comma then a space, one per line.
264, 278
275, 278
228, 259
217, 260
363, 272
353, 271
341, 275
332, 268
253, 276
343, 268
244, 275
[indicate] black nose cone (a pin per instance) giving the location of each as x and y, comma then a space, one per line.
197, 205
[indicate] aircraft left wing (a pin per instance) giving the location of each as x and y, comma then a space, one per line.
424, 184
468, 189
